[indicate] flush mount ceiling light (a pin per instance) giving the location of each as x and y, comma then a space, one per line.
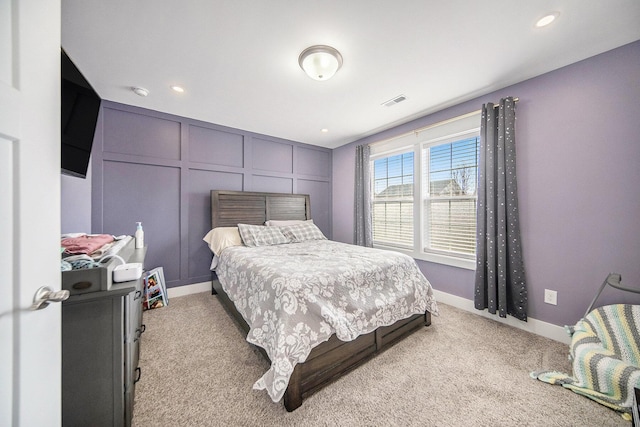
177, 88
140, 91
320, 62
547, 19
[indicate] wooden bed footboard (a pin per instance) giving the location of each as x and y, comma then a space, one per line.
334, 358
330, 360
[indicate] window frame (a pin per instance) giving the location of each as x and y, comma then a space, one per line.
444, 257
397, 246
441, 133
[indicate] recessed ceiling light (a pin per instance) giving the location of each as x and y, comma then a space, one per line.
547, 19
324, 130
140, 91
178, 89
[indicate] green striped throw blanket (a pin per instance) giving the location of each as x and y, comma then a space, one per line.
605, 350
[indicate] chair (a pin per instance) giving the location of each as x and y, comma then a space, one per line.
605, 353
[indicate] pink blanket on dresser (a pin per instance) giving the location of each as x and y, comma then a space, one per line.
85, 244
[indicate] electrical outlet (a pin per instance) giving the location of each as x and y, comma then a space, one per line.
551, 297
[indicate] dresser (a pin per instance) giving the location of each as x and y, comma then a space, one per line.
101, 332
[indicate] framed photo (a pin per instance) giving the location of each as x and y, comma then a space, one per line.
155, 290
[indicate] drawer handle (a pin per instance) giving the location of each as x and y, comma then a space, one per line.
143, 328
139, 374
138, 295
81, 285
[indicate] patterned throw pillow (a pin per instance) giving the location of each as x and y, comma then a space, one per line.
260, 235
302, 232
282, 223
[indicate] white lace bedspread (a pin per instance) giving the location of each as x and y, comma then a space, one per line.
295, 296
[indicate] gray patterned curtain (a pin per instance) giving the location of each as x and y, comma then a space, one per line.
500, 279
362, 220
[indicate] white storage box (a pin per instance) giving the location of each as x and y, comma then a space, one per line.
127, 272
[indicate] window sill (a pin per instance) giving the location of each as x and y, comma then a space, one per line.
467, 264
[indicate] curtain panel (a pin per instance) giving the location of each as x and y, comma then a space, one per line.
363, 218
500, 278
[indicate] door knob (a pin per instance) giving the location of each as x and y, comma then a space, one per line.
45, 295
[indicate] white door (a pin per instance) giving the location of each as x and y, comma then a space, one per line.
30, 361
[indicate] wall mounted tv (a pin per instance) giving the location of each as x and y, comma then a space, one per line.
80, 106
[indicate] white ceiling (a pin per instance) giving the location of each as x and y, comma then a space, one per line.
238, 59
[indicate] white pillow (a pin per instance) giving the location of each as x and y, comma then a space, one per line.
222, 237
280, 223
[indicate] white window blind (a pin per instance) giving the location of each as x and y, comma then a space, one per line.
449, 183
393, 200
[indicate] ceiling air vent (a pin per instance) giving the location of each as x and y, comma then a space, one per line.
394, 101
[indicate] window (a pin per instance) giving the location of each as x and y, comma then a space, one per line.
449, 197
393, 200
424, 192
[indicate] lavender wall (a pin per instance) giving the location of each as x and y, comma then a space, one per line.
75, 198
578, 148
160, 169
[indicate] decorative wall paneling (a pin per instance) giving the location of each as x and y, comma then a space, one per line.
159, 169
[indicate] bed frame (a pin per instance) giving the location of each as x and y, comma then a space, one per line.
333, 358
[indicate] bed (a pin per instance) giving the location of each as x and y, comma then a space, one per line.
332, 347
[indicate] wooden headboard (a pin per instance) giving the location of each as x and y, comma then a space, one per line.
230, 208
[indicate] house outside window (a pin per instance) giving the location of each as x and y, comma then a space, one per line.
424, 192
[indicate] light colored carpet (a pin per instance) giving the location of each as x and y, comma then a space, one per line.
197, 370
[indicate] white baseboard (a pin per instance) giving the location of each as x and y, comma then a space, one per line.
538, 327
195, 288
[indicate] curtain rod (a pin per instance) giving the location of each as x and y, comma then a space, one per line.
516, 99
440, 123
444, 122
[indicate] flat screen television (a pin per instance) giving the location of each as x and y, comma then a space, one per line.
80, 106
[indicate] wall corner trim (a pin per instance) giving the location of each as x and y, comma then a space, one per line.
538, 327
195, 288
